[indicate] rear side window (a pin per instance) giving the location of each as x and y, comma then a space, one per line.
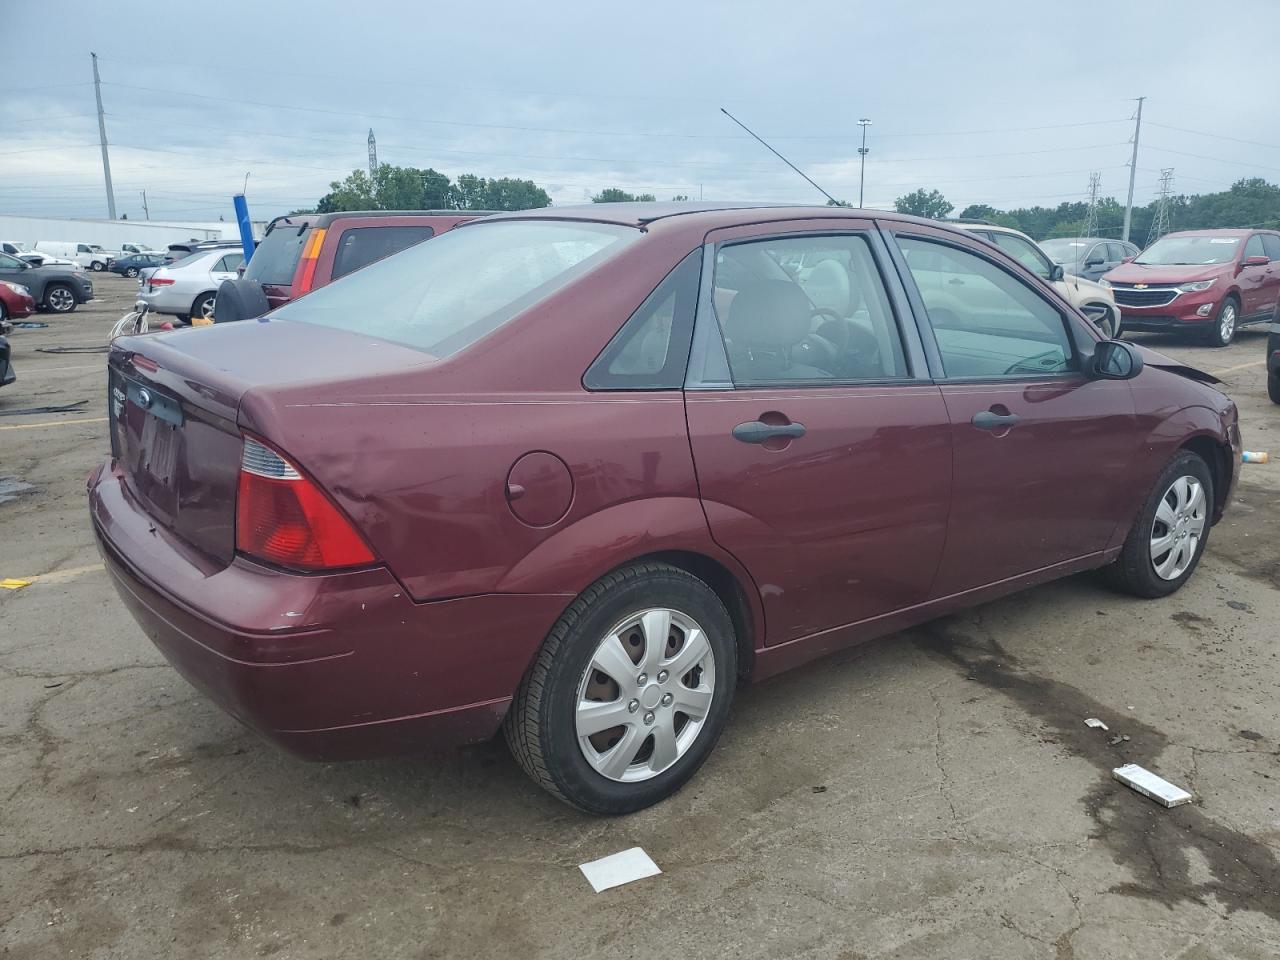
651, 350
987, 323
276, 257
230, 263
443, 296
360, 246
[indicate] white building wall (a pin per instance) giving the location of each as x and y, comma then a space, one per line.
109, 234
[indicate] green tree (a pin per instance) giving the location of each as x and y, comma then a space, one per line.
413, 188
978, 211
615, 195
924, 203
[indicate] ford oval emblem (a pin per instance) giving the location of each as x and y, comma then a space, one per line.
144, 397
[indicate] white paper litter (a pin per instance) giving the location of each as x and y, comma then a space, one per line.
1096, 723
1149, 785
619, 868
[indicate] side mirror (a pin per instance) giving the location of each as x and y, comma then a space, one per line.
1258, 261
1056, 273
1115, 360
1095, 262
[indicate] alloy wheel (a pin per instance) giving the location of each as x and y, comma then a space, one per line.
1227, 322
1178, 527
60, 299
644, 698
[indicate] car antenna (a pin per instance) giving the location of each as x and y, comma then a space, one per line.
781, 157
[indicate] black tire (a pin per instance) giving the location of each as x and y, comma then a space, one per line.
130, 272
1134, 571
541, 724
202, 306
1273, 387
1215, 336
97, 266
59, 298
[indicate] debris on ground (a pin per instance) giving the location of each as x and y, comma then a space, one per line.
619, 868
72, 349
61, 408
819, 789
1255, 456
11, 487
1250, 735
1149, 785
1096, 724
15, 583
30, 325
1119, 739
1237, 605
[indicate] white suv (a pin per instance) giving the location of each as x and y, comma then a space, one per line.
1093, 300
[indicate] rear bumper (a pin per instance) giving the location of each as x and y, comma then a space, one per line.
331, 667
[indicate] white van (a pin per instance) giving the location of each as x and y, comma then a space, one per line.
126, 249
89, 256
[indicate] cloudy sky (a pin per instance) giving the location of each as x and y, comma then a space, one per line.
1008, 103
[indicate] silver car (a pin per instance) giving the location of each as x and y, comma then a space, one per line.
186, 288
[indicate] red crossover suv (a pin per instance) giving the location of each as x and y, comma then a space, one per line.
579, 471
1207, 281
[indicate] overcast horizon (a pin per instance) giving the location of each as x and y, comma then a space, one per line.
988, 103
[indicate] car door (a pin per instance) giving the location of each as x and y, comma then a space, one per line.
1040, 450
1255, 282
12, 270
822, 449
1271, 290
225, 268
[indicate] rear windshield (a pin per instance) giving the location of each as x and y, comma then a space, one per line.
1185, 251
445, 295
277, 256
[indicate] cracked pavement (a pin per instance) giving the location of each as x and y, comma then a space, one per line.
967, 809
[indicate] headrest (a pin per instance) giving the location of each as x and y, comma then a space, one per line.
827, 285
768, 314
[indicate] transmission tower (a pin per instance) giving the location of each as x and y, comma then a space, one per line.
1091, 215
373, 155
1160, 224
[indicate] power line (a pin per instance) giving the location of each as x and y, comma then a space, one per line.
1215, 136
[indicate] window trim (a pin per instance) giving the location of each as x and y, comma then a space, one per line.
1074, 329
708, 340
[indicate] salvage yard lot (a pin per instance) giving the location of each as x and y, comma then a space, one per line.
934, 793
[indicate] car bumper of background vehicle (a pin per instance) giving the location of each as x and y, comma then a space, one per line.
330, 667
1188, 309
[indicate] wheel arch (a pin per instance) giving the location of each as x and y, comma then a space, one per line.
1212, 451
198, 297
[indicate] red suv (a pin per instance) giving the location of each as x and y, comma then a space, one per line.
579, 471
303, 252
1208, 281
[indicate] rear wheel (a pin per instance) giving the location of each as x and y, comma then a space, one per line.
203, 306
59, 298
629, 693
131, 272
1169, 536
1223, 330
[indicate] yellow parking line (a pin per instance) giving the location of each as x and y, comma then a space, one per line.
1238, 366
54, 423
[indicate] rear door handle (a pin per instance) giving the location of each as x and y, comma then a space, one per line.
757, 431
986, 420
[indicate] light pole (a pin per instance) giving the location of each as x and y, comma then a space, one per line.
862, 158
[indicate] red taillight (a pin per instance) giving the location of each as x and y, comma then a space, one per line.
310, 256
284, 518
160, 281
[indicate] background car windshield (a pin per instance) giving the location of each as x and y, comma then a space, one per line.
444, 295
1190, 250
1065, 251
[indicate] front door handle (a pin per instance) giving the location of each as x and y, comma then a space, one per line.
987, 420
757, 431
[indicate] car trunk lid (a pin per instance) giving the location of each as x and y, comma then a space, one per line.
174, 411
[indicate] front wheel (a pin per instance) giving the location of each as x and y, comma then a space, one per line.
1273, 387
1224, 326
629, 692
1168, 538
97, 266
59, 298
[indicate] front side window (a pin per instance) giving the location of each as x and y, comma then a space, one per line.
83, 248
443, 296
1025, 252
10, 263
812, 308
360, 246
1254, 247
987, 322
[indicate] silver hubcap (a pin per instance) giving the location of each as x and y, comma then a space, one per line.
645, 697
60, 299
1178, 527
206, 308
1227, 322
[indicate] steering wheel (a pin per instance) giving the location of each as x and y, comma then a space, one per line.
835, 324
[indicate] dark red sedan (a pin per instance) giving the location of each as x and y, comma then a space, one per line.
578, 472
15, 301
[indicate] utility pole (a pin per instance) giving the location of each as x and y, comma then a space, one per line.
1160, 223
1133, 171
373, 155
862, 158
146, 212
102, 136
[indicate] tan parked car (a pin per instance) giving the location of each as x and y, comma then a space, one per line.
1092, 299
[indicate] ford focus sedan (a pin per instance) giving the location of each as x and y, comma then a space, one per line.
576, 473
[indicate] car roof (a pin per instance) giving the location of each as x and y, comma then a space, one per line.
715, 213
1214, 233
325, 219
